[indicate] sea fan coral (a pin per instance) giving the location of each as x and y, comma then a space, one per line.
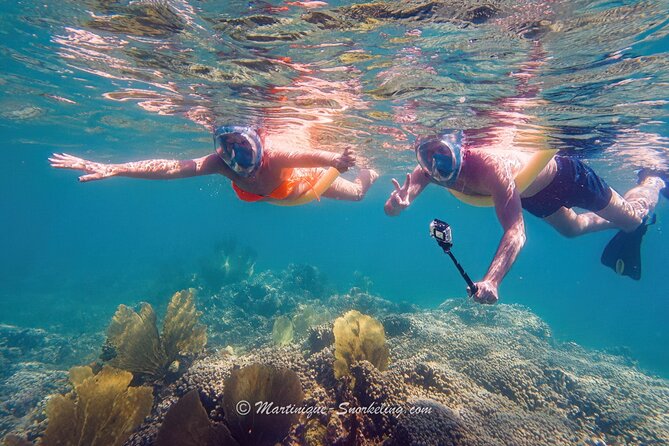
282, 331
137, 346
101, 410
136, 343
187, 424
256, 387
182, 334
357, 337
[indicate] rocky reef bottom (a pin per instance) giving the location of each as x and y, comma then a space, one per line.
462, 374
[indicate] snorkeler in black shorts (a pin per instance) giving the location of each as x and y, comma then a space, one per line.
574, 185
498, 170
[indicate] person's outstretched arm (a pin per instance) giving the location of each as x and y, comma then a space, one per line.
156, 169
402, 197
510, 214
312, 158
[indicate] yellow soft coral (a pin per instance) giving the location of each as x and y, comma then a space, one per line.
101, 410
357, 337
282, 331
139, 348
265, 391
182, 334
136, 342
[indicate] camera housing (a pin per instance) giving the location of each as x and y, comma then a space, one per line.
441, 232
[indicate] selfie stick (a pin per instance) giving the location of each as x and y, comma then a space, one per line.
441, 232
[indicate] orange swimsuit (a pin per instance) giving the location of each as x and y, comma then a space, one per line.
285, 189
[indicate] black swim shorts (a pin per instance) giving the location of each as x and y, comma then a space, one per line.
574, 185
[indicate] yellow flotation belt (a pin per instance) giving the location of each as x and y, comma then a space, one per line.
315, 192
524, 179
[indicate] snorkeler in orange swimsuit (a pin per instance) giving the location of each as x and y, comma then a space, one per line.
260, 170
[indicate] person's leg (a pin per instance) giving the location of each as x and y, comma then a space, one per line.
343, 189
628, 212
624, 213
570, 224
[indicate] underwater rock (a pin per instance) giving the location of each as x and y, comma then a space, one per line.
365, 302
433, 423
101, 410
23, 396
31, 363
18, 344
396, 324
229, 263
357, 337
305, 280
320, 337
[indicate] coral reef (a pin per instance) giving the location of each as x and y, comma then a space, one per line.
358, 337
135, 345
32, 364
461, 375
101, 410
243, 313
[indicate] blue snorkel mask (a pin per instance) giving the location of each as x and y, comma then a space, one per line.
240, 148
441, 157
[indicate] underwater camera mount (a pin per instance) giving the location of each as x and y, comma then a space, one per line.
441, 232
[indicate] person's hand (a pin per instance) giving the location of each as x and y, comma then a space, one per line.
345, 161
94, 171
486, 292
399, 198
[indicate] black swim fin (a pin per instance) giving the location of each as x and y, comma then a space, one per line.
623, 253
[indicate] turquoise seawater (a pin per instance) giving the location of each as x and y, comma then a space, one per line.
116, 81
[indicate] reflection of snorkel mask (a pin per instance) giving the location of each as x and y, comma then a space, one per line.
240, 148
441, 157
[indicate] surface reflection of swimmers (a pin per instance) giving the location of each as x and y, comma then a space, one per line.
259, 169
560, 184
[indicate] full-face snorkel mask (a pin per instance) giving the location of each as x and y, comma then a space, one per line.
441, 157
240, 148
